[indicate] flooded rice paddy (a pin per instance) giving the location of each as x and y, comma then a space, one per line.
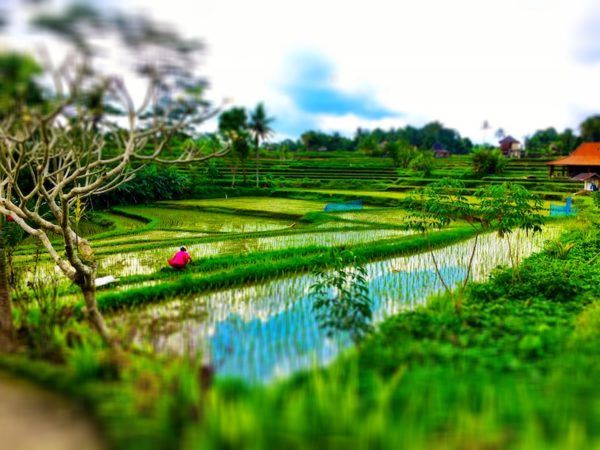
267, 331
148, 261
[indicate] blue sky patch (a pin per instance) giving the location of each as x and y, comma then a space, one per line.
312, 91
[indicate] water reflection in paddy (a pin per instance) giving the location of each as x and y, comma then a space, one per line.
265, 331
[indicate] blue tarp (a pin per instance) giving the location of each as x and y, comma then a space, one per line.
567, 210
346, 206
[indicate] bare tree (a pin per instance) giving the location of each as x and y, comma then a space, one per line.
51, 159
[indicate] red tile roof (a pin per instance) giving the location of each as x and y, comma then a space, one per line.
587, 154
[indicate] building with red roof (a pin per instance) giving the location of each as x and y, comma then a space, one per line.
585, 159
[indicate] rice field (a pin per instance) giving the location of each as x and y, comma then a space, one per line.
244, 314
148, 261
257, 204
144, 237
263, 331
266, 331
174, 219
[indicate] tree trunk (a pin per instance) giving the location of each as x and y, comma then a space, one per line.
245, 174
7, 332
88, 289
233, 173
470, 266
257, 142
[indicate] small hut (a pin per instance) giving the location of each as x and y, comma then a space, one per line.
591, 181
440, 152
510, 147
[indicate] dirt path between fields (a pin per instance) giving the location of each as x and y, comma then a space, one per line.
34, 419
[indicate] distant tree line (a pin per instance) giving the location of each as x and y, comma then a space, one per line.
373, 142
550, 142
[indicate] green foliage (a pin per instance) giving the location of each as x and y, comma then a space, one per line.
587, 327
438, 204
87, 356
40, 315
514, 368
234, 126
596, 198
590, 129
18, 87
150, 184
212, 170
423, 162
233, 120
371, 142
508, 207
566, 278
559, 249
317, 140
486, 161
368, 145
401, 152
260, 124
341, 301
11, 234
550, 142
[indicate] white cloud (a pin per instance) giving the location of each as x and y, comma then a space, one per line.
512, 62
348, 123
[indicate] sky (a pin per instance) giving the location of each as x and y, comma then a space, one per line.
335, 65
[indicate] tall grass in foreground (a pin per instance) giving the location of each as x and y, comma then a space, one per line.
415, 408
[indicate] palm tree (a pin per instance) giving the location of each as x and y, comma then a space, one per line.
259, 127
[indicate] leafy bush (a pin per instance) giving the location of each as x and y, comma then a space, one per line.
212, 170
401, 152
152, 183
341, 300
423, 162
487, 161
596, 198
557, 274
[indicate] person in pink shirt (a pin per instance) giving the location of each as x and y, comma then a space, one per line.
181, 259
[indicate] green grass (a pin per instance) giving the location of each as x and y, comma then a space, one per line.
256, 204
172, 218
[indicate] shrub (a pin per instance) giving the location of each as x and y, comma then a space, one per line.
596, 198
423, 162
152, 183
401, 152
341, 300
560, 274
487, 161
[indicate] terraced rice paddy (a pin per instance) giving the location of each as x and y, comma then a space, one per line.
187, 219
147, 261
142, 245
268, 330
259, 332
257, 204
